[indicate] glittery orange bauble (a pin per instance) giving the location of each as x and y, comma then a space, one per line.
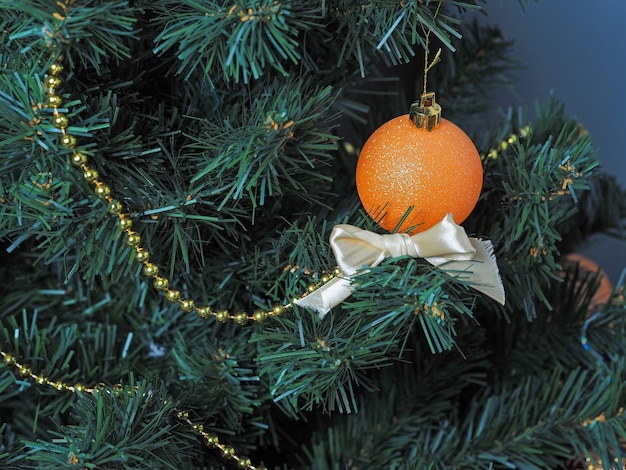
404, 167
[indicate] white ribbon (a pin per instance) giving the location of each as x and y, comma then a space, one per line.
445, 245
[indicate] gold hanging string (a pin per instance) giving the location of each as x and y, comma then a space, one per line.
426, 113
437, 58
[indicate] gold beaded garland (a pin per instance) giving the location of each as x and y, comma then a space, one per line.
228, 452
204, 312
241, 318
125, 224
210, 439
56, 68
53, 81
53, 101
260, 316
68, 141
161, 283
102, 190
222, 316
523, 133
115, 207
244, 462
172, 295
187, 305
150, 270
133, 239
79, 159
60, 121
90, 174
141, 255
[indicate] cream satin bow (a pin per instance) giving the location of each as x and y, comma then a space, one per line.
445, 245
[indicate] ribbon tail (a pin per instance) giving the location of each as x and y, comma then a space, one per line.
481, 273
328, 296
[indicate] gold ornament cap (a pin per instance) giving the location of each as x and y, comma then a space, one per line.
426, 112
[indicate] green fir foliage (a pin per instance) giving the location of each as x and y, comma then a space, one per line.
230, 133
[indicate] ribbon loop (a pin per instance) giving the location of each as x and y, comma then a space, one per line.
445, 245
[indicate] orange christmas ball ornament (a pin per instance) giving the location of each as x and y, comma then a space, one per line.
431, 172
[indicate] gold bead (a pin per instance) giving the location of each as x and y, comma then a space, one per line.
25, 371
60, 121
52, 81
59, 385
161, 283
311, 288
115, 207
187, 305
9, 360
260, 316
211, 439
222, 316
133, 239
102, 190
228, 452
244, 462
68, 141
125, 223
204, 312
90, 174
278, 310
80, 387
240, 318
151, 270
41, 380
336, 271
79, 159
172, 296
141, 255
56, 69
53, 101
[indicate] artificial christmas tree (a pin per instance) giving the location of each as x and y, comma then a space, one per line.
171, 173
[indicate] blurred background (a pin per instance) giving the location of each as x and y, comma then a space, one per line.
576, 51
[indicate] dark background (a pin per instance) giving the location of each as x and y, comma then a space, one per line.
576, 51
